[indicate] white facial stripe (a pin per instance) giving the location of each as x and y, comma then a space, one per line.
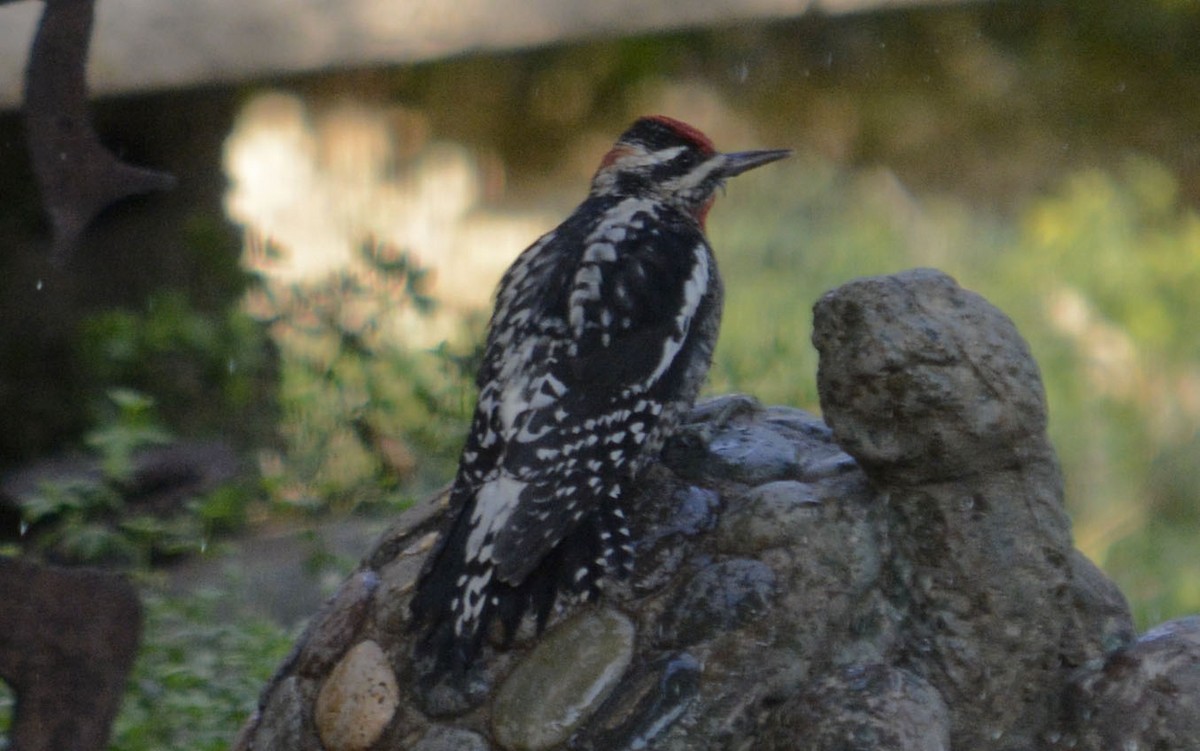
694, 177
638, 157
630, 158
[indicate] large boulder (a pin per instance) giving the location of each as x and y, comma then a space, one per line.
937, 397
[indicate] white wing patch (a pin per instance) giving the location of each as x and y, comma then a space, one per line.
693, 292
494, 503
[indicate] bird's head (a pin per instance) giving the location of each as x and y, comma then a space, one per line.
673, 161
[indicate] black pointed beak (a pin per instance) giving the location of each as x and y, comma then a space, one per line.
740, 161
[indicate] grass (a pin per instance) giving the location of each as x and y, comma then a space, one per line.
197, 676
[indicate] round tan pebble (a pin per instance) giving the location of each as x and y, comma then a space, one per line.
357, 700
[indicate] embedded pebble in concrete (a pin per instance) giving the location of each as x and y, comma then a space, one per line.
644, 706
541, 704
721, 597
817, 454
696, 512
753, 454
447, 738
776, 514
878, 706
662, 539
725, 439
396, 581
357, 700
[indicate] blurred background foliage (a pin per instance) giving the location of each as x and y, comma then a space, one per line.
1042, 153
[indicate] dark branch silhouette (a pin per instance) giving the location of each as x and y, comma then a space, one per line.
77, 175
68, 637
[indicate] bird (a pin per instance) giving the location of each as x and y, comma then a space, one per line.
601, 337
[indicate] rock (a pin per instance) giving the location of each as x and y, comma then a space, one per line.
935, 394
721, 597
673, 515
817, 453
696, 512
773, 515
922, 380
397, 579
752, 455
645, 705
282, 719
446, 738
871, 707
735, 438
452, 694
1101, 611
357, 700
830, 570
1146, 696
724, 440
541, 703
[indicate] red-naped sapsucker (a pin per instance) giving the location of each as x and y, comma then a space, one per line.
602, 335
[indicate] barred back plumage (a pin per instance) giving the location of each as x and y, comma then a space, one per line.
602, 335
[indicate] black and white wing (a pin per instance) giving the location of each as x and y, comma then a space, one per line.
591, 357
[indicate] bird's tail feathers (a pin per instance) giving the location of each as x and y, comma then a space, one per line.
452, 638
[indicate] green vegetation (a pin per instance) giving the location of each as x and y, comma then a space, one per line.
197, 677
180, 355
365, 420
86, 519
